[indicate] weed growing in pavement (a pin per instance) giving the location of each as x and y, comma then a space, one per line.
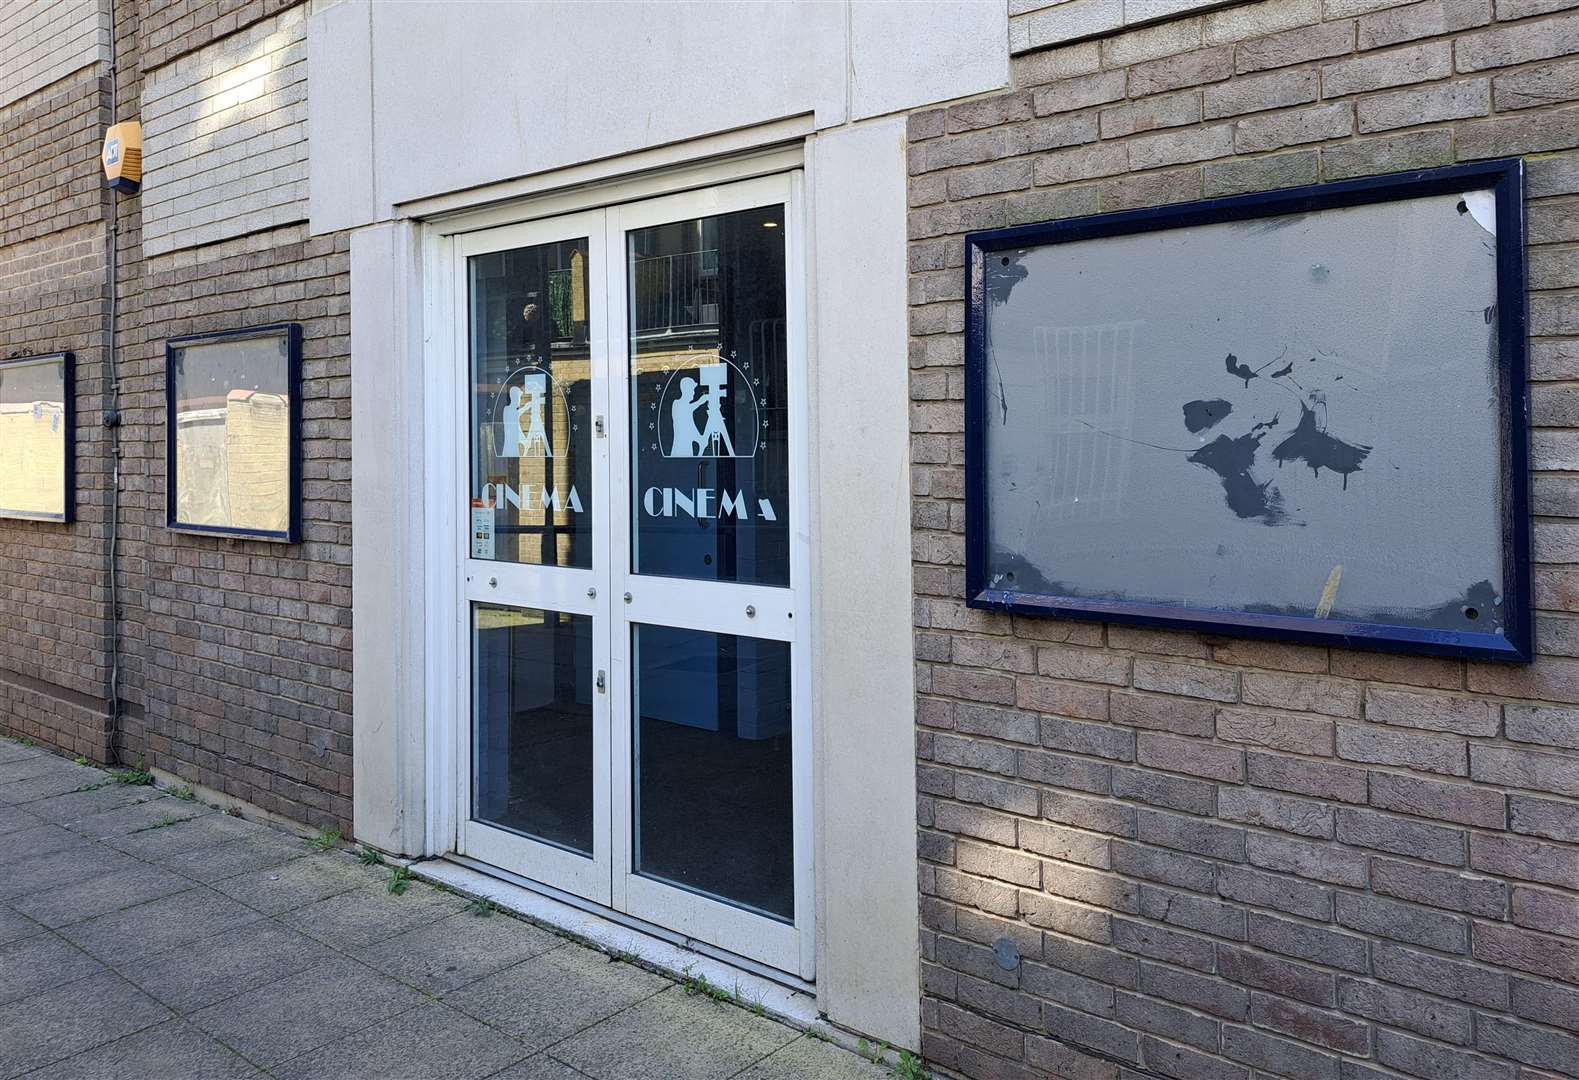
399, 879
369, 857
80, 759
326, 839
184, 793
480, 906
132, 777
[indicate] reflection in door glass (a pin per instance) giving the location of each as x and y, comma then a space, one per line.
532, 740
709, 430
711, 766
531, 423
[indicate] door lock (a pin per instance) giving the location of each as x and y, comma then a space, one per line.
597, 427
600, 682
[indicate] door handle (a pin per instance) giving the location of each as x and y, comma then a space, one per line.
600, 682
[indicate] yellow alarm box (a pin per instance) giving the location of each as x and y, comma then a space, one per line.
123, 156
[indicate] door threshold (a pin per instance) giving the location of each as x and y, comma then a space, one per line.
780, 994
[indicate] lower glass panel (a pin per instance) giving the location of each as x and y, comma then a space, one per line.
712, 766
532, 734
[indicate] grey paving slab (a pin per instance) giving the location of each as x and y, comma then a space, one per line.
249, 853
40, 962
155, 814
356, 919
552, 996
11, 751
41, 839
432, 1042
812, 1059
233, 962
639, 1043
13, 818
173, 1050
28, 766
91, 897
207, 830
159, 924
14, 925
286, 1019
76, 805
58, 1023
54, 781
461, 949
61, 867
541, 1067
295, 884
245, 931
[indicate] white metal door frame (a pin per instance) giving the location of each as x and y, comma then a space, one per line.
570, 590
781, 614
712, 606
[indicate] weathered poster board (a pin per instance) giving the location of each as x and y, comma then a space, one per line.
1300, 414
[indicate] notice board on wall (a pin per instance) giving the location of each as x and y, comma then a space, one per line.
1300, 414
233, 432
37, 407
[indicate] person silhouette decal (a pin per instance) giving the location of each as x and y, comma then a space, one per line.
512, 444
685, 440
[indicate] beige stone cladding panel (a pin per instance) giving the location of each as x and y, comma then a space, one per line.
43, 42
225, 137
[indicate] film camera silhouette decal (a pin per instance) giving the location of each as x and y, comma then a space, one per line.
519, 407
699, 418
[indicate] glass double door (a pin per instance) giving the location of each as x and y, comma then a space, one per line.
633, 555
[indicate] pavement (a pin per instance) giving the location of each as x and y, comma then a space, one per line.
147, 936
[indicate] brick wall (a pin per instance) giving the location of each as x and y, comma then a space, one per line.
225, 136
1224, 859
42, 43
54, 607
234, 655
170, 29
237, 653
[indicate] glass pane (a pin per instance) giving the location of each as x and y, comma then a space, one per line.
233, 433
532, 743
713, 807
710, 439
531, 372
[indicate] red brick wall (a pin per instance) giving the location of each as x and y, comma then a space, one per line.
1221, 858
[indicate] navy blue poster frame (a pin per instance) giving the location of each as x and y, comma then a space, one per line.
292, 332
68, 378
1506, 178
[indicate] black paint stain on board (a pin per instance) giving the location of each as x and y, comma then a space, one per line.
1238, 370
1231, 459
1308, 443
1200, 415
1003, 273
